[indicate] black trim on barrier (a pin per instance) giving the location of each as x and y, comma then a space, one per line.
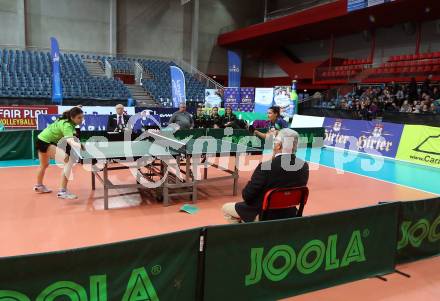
200, 286
412, 118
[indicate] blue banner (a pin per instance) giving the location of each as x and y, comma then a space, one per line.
177, 86
372, 137
90, 123
99, 122
234, 69
163, 113
57, 93
232, 98
247, 99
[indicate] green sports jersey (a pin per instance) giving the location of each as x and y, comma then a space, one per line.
57, 130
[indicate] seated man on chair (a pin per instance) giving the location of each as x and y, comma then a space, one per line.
284, 170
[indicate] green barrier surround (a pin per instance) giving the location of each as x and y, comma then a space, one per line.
18, 145
273, 260
156, 268
419, 230
256, 261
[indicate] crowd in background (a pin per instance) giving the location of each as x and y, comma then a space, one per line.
368, 102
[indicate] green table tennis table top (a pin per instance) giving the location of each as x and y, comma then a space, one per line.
145, 148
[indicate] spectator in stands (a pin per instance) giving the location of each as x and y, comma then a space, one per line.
369, 102
400, 95
229, 118
433, 108
56, 141
276, 123
214, 120
284, 170
435, 93
425, 109
118, 122
416, 107
182, 118
412, 89
406, 107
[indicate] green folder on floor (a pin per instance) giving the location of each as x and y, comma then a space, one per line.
189, 209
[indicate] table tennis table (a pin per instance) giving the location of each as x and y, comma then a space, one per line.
168, 163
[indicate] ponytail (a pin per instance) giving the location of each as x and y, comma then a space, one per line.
72, 113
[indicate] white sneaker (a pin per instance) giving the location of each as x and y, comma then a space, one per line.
66, 195
42, 189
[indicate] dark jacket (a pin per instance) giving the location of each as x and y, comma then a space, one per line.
229, 118
264, 179
213, 120
112, 124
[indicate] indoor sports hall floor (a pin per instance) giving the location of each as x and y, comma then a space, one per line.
33, 223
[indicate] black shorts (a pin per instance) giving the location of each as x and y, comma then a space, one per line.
42, 146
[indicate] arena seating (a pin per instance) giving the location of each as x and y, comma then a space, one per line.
409, 65
348, 69
160, 85
27, 74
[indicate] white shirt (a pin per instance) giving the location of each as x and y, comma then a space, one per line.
279, 154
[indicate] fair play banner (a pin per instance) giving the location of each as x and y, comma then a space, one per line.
23, 117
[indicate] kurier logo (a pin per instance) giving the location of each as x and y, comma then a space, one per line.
326, 255
415, 234
139, 287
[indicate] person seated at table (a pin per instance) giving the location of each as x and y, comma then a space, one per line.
284, 170
182, 118
228, 120
200, 121
117, 122
275, 123
214, 120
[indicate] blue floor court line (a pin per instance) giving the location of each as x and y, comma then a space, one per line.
411, 175
407, 174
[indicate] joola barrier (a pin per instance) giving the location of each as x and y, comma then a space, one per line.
255, 261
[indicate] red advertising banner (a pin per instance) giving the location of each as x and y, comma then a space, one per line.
20, 117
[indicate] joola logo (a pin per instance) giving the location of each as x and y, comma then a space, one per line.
139, 287
415, 234
323, 254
